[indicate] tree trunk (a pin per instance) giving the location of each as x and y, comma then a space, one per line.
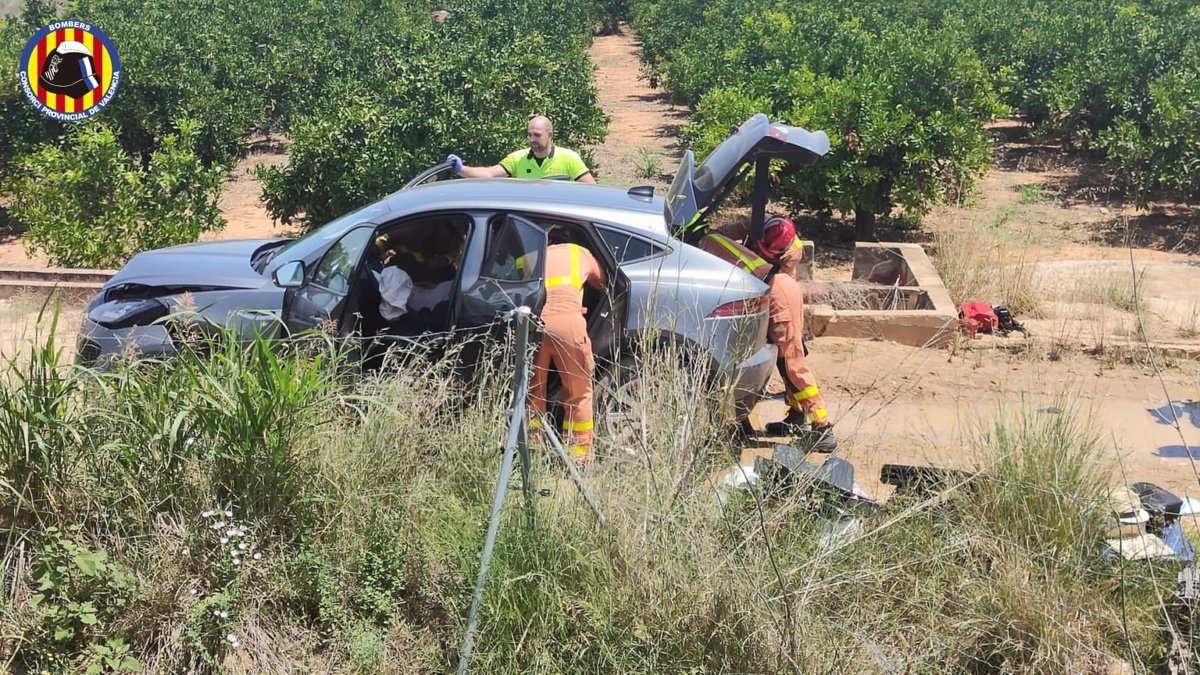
864, 224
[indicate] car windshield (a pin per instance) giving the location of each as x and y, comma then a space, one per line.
319, 239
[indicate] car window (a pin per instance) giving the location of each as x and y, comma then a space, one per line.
626, 248
309, 244
337, 266
514, 251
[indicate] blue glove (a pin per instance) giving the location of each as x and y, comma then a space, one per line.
456, 163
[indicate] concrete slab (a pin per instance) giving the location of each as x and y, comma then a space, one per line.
71, 285
905, 299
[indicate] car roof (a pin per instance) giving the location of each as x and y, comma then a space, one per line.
566, 198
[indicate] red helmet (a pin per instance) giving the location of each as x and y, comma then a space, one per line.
778, 235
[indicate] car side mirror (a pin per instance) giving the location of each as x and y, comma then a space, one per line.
290, 275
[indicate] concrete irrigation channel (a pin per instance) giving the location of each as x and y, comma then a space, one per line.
30, 298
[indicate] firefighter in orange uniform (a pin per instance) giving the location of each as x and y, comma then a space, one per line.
774, 260
566, 345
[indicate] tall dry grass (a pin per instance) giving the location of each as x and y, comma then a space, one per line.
368, 548
990, 264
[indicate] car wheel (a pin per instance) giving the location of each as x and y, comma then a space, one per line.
619, 400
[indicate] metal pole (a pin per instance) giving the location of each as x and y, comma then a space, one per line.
515, 427
758, 199
520, 394
574, 471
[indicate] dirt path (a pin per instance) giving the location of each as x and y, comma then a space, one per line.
908, 405
1055, 217
642, 147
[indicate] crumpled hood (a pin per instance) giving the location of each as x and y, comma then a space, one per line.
216, 264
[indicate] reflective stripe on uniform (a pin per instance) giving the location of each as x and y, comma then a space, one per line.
579, 452
751, 262
806, 393
819, 414
416, 255
574, 279
577, 426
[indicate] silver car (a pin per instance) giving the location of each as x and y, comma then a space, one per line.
478, 243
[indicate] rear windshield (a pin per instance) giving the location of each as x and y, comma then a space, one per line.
724, 160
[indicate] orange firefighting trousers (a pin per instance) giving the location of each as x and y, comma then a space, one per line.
786, 331
566, 345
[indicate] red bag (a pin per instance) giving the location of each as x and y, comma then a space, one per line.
977, 317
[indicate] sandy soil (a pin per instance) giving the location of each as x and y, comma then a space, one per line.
898, 404
245, 216
642, 147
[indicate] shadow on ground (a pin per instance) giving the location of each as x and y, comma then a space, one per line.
1174, 228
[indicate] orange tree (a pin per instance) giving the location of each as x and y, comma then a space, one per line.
904, 102
467, 85
368, 91
905, 87
1116, 78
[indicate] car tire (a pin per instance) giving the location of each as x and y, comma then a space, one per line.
617, 393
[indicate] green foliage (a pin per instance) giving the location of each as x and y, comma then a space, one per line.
238, 412
1117, 77
1033, 194
40, 427
21, 127
648, 164
370, 93
904, 104
87, 203
904, 88
81, 595
379, 568
381, 576
1161, 152
427, 94
222, 551
252, 406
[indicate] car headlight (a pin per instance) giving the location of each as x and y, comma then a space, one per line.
128, 312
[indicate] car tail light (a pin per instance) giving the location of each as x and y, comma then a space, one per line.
743, 307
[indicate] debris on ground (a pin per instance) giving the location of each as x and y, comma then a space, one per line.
828, 489
976, 317
924, 481
1182, 613
1144, 524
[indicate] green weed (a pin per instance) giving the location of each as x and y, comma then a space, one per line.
1033, 194
370, 521
648, 164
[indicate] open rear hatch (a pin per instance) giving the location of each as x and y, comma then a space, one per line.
699, 190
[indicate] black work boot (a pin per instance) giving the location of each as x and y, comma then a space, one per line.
821, 439
744, 433
794, 424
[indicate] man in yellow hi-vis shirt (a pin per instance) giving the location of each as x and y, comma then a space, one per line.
543, 159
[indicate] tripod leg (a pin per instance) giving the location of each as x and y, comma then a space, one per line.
552, 437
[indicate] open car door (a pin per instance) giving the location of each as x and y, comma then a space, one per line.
511, 274
436, 173
607, 309
698, 190
319, 296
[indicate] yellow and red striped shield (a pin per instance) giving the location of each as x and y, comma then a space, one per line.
70, 70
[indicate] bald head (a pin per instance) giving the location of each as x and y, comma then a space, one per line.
541, 135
